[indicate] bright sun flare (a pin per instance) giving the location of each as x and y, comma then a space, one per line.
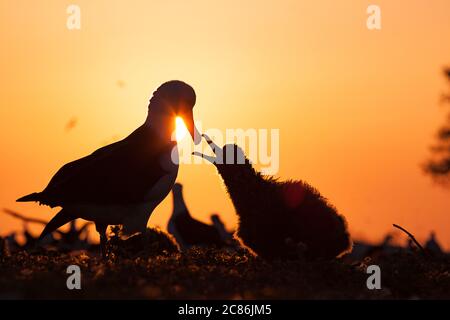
181, 129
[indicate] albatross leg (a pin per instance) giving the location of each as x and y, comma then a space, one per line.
61, 218
101, 229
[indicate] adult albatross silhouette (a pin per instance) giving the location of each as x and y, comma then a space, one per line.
122, 183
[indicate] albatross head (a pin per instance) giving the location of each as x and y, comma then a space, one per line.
175, 99
231, 155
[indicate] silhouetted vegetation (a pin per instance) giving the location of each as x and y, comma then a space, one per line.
149, 265
150, 243
439, 165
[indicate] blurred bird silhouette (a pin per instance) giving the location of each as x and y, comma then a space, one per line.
30, 240
72, 123
11, 243
278, 219
73, 239
447, 72
432, 246
122, 183
190, 232
120, 83
75, 236
382, 248
2, 247
220, 226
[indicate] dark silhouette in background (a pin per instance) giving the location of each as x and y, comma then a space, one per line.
439, 165
71, 124
432, 245
378, 249
11, 243
121, 84
30, 240
152, 242
362, 249
122, 183
386, 248
279, 219
73, 239
2, 247
220, 227
190, 232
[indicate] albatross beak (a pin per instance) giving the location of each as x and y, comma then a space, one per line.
189, 121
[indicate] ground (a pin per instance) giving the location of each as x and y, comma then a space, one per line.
219, 274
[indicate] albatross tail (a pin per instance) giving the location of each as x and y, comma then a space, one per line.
35, 196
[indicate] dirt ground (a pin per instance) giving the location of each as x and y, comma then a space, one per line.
218, 274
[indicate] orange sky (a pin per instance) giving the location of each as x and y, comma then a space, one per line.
356, 109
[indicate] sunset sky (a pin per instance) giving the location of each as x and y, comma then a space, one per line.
357, 109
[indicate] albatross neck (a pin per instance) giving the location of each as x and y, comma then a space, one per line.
163, 123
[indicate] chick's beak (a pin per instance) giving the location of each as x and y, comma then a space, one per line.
188, 118
215, 148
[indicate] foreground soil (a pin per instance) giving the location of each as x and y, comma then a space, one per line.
219, 274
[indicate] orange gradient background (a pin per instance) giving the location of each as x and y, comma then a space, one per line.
357, 109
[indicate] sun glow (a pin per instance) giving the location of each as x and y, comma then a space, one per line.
180, 128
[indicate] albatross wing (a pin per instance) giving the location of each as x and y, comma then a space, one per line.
120, 173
